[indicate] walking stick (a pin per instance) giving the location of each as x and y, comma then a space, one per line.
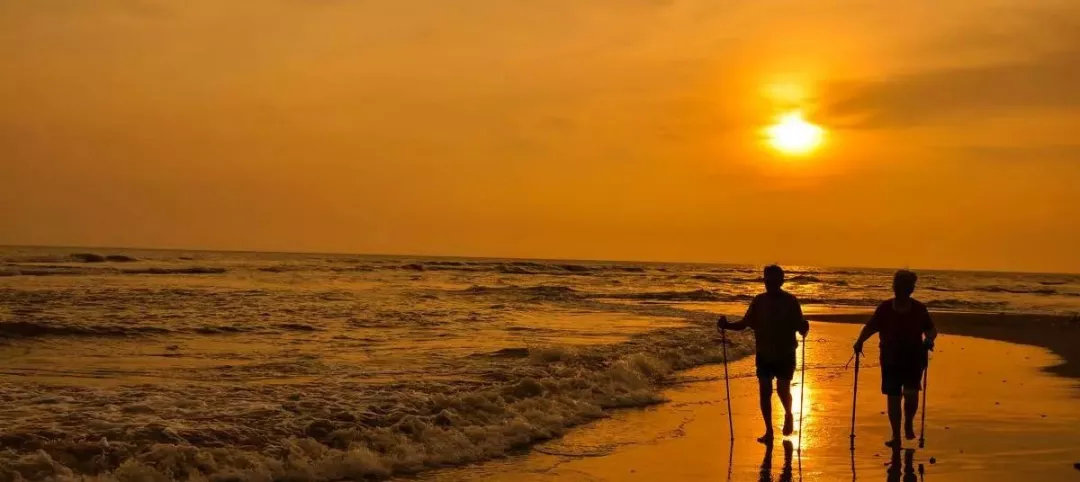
854, 397
727, 383
802, 390
922, 430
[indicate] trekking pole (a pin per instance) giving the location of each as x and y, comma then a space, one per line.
854, 397
802, 390
922, 430
727, 383
730, 460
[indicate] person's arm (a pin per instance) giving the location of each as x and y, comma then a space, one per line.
734, 325
746, 322
868, 330
929, 331
803, 326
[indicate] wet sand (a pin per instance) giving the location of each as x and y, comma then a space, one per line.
994, 414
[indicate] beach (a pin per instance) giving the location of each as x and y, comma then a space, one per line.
1059, 334
158, 364
994, 414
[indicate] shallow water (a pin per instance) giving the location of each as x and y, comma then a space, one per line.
266, 365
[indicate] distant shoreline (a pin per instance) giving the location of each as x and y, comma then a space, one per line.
1058, 333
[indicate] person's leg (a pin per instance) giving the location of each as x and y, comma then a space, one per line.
783, 390
894, 420
765, 398
891, 386
911, 407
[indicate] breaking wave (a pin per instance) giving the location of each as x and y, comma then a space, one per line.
334, 432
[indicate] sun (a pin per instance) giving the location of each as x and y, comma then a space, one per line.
793, 135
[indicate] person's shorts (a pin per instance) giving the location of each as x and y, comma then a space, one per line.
779, 369
896, 379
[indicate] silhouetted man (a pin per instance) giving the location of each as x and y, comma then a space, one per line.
907, 334
775, 316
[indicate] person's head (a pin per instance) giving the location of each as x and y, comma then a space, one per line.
774, 278
903, 283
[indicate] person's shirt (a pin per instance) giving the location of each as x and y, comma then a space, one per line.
900, 333
775, 318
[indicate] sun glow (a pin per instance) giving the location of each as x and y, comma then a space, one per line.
793, 135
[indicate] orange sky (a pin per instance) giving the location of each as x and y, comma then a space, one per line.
608, 129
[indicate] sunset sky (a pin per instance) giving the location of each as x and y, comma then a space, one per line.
605, 129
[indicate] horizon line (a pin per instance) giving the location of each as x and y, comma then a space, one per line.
417, 255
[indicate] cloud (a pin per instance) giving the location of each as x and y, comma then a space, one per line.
1050, 82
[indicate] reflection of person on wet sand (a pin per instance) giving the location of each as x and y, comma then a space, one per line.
901, 324
775, 316
908, 470
766, 463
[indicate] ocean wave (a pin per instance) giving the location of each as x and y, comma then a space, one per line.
298, 267
296, 327
327, 431
727, 279
955, 304
69, 258
184, 270
1006, 289
63, 270
564, 293
22, 329
32, 329
944, 304
804, 278
391, 318
799, 278
51, 270
711, 278
533, 293
997, 289
693, 295
520, 267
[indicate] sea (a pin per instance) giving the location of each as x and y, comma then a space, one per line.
127, 364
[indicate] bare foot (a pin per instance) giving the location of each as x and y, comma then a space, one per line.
894, 443
789, 423
909, 433
767, 438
